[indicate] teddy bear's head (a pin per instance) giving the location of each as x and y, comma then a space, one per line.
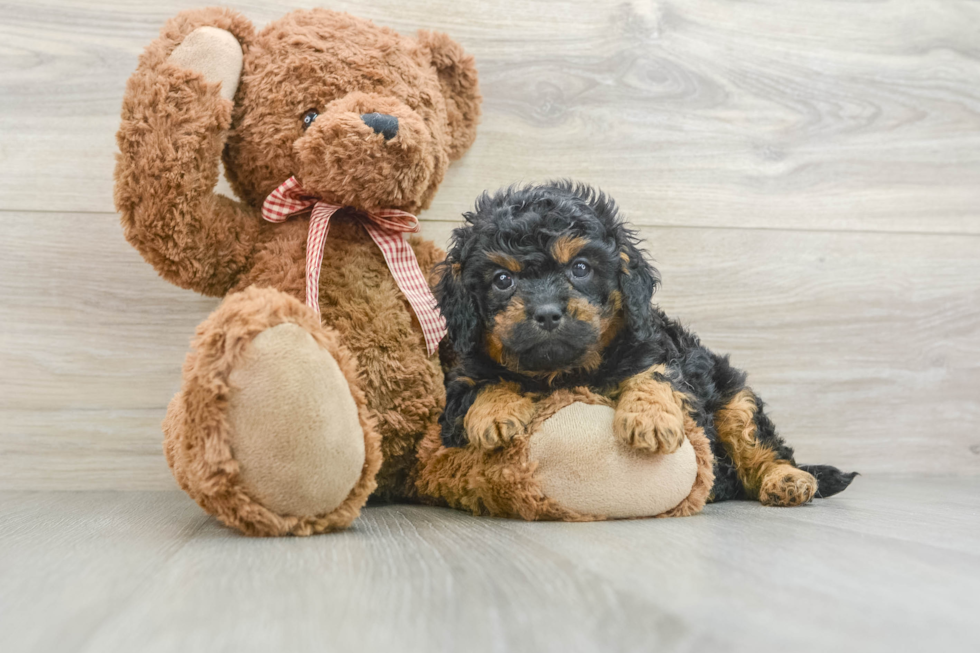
360, 114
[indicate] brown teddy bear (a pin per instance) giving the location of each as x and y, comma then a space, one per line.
262, 432
315, 384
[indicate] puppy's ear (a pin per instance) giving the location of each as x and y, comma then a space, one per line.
456, 303
638, 281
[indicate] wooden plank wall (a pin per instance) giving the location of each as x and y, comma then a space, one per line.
806, 174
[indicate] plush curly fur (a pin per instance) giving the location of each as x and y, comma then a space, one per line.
197, 429
176, 126
545, 289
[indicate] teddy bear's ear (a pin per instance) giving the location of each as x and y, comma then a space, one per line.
458, 79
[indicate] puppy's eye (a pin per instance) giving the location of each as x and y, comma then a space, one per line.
581, 269
502, 281
308, 118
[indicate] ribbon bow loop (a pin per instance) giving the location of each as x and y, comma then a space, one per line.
385, 227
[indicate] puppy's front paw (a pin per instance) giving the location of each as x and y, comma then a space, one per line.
653, 428
491, 424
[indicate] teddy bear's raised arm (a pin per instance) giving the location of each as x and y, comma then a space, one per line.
175, 112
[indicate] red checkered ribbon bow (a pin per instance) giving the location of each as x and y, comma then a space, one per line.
385, 227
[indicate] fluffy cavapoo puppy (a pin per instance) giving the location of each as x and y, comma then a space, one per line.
546, 288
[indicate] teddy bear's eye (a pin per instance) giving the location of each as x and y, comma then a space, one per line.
309, 117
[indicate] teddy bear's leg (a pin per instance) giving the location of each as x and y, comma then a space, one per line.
270, 431
570, 465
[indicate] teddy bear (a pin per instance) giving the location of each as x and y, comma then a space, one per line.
317, 383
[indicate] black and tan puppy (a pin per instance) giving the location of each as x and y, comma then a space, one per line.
545, 288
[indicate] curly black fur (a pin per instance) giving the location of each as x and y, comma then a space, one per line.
513, 233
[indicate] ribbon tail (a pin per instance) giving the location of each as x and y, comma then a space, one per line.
315, 240
404, 267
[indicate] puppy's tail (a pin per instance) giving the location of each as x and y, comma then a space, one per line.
830, 480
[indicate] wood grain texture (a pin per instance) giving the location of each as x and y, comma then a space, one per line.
68, 559
890, 562
862, 116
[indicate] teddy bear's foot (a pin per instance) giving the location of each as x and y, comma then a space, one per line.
270, 432
585, 469
293, 424
786, 486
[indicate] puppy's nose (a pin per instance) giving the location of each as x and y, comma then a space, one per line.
548, 316
381, 123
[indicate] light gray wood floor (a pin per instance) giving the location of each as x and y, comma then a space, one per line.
893, 564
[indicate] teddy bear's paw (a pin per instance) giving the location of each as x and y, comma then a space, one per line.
490, 425
581, 467
213, 52
293, 424
652, 428
787, 486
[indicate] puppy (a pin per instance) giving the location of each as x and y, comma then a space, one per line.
545, 288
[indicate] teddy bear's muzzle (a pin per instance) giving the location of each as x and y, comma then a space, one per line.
378, 140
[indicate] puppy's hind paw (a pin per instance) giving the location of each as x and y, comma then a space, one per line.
787, 486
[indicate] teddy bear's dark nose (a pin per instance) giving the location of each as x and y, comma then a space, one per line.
381, 123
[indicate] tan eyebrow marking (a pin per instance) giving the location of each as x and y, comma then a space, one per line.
505, 261
565, 247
